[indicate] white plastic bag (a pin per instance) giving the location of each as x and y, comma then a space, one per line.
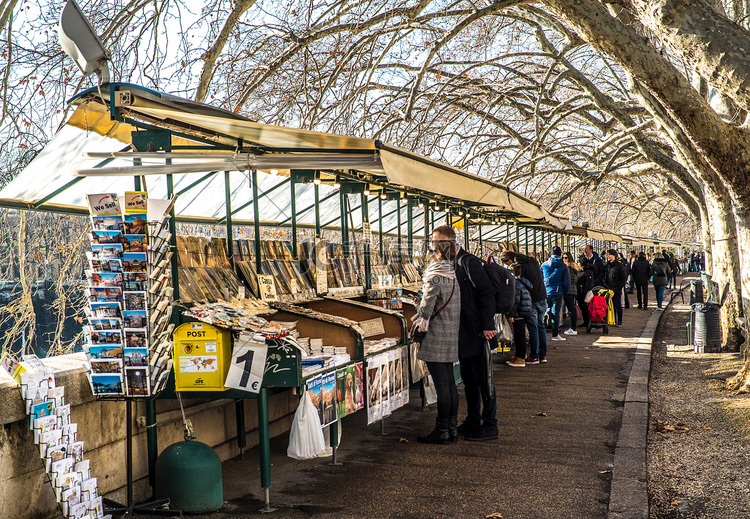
430, 394
306, 437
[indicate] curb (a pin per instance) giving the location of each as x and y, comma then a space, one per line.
628, 498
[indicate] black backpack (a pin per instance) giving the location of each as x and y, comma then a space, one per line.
659, 269
502, 280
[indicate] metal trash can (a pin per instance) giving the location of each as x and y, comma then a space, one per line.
707, 328
189, 474
696, 291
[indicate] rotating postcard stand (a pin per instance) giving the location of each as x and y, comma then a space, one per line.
128, 346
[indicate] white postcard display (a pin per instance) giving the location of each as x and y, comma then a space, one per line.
128, 346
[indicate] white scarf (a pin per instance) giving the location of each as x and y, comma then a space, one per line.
443, 268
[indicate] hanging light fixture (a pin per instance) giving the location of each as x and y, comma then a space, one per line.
383, 196
420, 204
367, 190
274, 172
316, 180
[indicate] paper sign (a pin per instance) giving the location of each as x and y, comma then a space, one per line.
248, 363
372, 327
106, 203
321, 270
135, 202
267, 288
367, 233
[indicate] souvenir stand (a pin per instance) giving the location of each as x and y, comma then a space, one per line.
320, 186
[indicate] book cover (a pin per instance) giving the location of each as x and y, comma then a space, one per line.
328, 400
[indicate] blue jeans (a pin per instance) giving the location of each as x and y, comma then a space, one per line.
541, 309
659, 294
555, 305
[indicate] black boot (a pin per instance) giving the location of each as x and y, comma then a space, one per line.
439, 435
453, 429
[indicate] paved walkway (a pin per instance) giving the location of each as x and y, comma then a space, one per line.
572, 445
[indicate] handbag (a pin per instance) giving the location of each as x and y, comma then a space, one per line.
579, 314
416, 334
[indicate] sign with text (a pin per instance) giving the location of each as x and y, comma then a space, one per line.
367, 233
248, 363
267, 288
372, 327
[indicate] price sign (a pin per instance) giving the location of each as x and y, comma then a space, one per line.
367, 233
294, 286
248, 363
267, 288
372, 327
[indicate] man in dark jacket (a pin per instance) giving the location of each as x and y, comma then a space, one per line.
615, 277
531, 270
591, 276
641, 272
476, 332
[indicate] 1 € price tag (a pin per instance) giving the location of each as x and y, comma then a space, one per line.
248, 364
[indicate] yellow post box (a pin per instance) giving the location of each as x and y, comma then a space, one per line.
201, 357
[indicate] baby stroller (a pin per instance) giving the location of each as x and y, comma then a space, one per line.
600, 308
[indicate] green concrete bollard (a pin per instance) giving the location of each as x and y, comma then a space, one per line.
189, 474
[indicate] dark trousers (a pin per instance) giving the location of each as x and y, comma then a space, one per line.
445, 387
481, 399
627, 301
617, 305
584, 306
570, 304
642, 292
519, 336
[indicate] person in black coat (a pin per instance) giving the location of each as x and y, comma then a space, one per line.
641, 273
476, 337
616, 275
592, 275
531, 270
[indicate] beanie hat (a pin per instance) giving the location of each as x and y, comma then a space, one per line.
556, 251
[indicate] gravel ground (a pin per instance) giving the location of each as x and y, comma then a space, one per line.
699, 433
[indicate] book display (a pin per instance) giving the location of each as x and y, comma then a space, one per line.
127, 336
56, 437
204, 270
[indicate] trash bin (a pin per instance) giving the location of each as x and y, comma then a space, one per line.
189, 474
707, 328
696, 291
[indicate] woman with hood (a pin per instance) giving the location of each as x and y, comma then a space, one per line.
556, 281
660, 272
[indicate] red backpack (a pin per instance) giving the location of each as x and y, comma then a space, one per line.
598, 308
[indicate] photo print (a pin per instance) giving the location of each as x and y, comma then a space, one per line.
135, 243
106, 250
134, 262
106, 366
135, 224
135, 300
105, 352
109, 222
137, 381
136, 281
106, 237
106, 384
135, 339
135, 357
106, 279
134, 318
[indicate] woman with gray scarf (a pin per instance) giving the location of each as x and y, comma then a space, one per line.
441, 306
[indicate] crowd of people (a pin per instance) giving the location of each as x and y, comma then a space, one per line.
457, 307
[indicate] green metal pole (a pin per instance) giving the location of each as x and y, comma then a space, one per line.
380, 227
410, 230
398, 239
293, 187
256, 221
481, 246
230, 230
344, 224
317, 212
466, 234
368, 259
264, 445
427, 233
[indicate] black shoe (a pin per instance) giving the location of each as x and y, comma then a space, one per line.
452, 430
483, 434
435, 437
465, 428
627, 306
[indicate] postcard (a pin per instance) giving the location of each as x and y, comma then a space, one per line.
136, 281
137, 381
69, 480
42, 409
58, 468
63, 415
70, 433
89, 489
75, 449
34, 396
105, 351
96, 508
79, 511
105, 324
42, 425
49, 439
134, 262
109, 222
135, 243
106, 279
106, 250
135, 224
101, 237
69, 498
134, 318
135, 339
135, 300
106, 384
83, 468
106, 310
135, 356
56, 453
106, 365
104, 294
99, 337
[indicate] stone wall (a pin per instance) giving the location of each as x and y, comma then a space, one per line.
24, 490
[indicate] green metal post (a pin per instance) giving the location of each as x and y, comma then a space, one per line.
398, 240
293, 187
265, 446
344, 224
230, 230
380, 228
535, 238
427, 232
256, 221
317, 212
368, 259
466, 234
409, 230
481, 247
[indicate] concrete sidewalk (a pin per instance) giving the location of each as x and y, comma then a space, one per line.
572, 445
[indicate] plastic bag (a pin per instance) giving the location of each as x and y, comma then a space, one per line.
306, 437
503, 328
430, 394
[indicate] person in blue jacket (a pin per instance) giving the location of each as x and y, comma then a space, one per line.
556, 281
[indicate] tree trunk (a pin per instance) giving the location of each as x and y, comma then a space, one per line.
726, 268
